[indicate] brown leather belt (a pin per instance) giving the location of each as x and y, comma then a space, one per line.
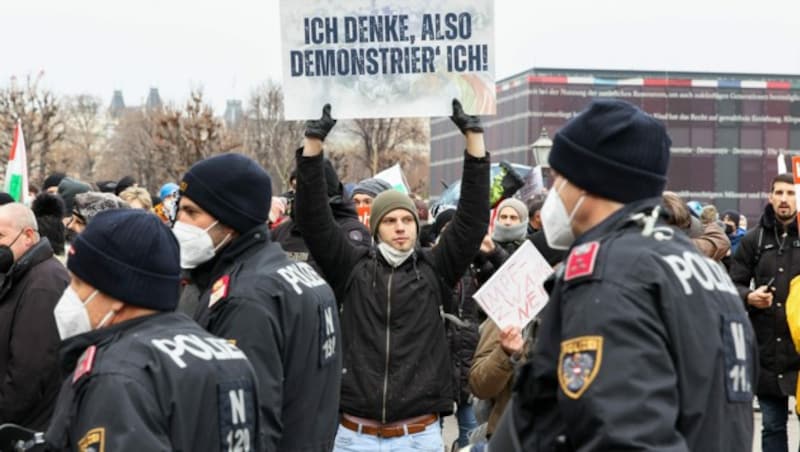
393, 430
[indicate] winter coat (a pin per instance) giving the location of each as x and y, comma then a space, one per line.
151, 383
397, 362
29, 348
283, 316
763, 255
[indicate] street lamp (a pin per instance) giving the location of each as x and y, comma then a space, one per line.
541, 151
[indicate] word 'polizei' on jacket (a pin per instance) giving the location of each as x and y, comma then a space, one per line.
397, 362
763, 254
644, 344
283, 316
157, 382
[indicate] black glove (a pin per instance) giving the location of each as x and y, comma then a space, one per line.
320, 128
463, 121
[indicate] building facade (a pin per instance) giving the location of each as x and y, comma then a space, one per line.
727, 130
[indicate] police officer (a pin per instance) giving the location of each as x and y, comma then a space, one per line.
644, 344
141, 377
244, 288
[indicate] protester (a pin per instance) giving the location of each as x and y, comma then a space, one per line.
143, 377
731, 219
709, 214
768, 256
31, 282
288, 234
634, 351
367, 190
535, 214
67, 189
87, 205
510, 228
52, 181
242, 287
48, 209
708, 238
397, 376
137, 198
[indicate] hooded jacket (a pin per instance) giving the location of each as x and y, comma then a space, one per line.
29, 348
397, 362
764, 254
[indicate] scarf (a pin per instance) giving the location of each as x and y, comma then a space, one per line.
394, 257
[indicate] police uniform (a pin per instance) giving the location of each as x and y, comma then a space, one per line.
155, 383
643, 345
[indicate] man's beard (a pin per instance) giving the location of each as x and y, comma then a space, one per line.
786, 218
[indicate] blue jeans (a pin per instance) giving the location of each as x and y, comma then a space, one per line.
466, 423
428, 440
775, 414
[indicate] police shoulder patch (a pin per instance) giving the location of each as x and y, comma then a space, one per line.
219, 290
578, 364
85, 363
581, 261
93, 441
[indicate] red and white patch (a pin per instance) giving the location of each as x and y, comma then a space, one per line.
219, 290
85, 363
581, 261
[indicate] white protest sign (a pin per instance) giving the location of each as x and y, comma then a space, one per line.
515, 293
387, 58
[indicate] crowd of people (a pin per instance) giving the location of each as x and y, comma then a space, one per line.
216, 316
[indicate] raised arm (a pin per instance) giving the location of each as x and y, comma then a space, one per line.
326, 242
462, 238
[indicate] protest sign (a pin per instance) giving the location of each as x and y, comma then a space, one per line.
515, 293
364, 214
387, 58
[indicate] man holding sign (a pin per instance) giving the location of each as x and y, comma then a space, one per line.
644, 344
397, 377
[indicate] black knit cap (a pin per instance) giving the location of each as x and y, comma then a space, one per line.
232, 188
130, 255
613, 150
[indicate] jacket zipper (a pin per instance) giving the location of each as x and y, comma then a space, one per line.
388, 322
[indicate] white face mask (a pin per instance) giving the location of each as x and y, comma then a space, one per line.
196, 245
556, 222
71, 315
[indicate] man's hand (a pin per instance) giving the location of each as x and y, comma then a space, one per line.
316, 131
472, 129
463, 121
511, 340
487, 245
760, 298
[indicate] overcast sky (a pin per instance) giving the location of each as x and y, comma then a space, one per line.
229, 47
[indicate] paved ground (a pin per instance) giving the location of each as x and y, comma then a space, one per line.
451, 432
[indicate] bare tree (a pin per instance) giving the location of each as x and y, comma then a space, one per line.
381, 139
84, 138
39, 111
268, 137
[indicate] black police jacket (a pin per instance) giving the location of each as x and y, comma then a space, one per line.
765, 255
155, 383
283, 315
397, 362
644, 345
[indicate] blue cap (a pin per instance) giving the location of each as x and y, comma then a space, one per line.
167, 189
695, 208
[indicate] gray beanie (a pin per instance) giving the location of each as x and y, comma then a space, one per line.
91, 203
371, 187
517, 205
67, 189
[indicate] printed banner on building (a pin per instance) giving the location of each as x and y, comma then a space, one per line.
515, 293
387, 58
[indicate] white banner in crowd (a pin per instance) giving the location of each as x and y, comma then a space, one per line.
394, 176
515, 293
387, 58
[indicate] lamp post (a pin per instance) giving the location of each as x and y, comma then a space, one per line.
541, 151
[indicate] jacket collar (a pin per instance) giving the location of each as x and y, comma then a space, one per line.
204, 273
769, 221
620, 219
73, 347
40, 252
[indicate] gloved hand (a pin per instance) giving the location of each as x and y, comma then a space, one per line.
463, 121
319, 128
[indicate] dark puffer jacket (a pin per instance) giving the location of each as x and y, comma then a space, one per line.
764, 254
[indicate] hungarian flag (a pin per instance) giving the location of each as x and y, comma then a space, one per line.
16, 181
